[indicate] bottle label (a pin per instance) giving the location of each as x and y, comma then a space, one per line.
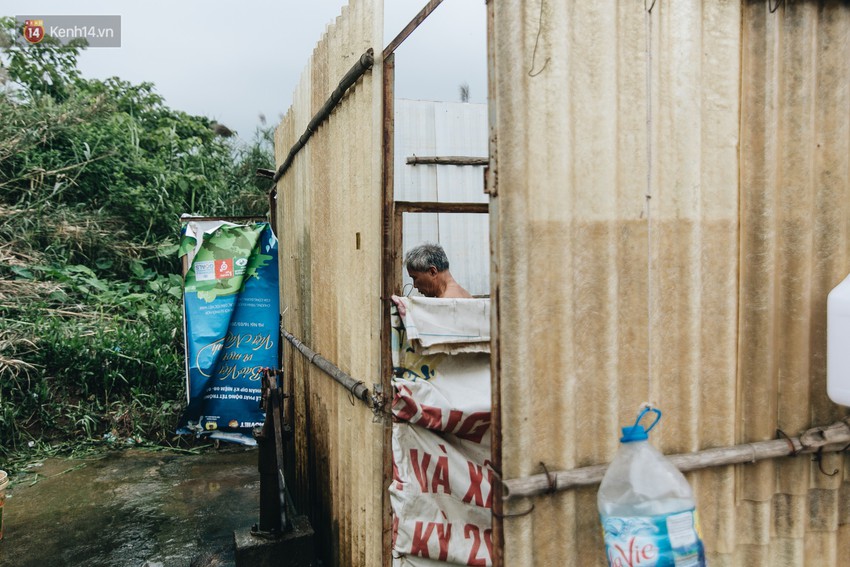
668, 540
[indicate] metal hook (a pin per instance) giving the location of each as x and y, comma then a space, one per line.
517, 515
553, 481
782, 435
819, 459
351, 395
404, 287
776, 6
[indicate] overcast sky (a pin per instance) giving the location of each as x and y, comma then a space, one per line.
234, 60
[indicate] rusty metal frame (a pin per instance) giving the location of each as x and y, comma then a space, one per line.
392, 216
389, 257
491, 187
410, 27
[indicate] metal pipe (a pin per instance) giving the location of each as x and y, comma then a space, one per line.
356, 387
358, 70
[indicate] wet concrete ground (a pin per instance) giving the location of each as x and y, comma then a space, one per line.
131, 509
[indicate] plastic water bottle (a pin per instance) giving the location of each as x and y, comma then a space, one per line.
647, 507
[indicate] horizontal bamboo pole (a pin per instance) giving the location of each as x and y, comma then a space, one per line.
356, 387
831, 438
447, 160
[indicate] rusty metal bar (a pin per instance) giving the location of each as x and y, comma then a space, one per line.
439, 207
389, 286
447, 160
498, 538
358, 70
408, 29
490, 188
832, 438
270, 461
357, 388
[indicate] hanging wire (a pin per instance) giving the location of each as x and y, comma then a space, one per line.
648, 198
531, 71
774, 7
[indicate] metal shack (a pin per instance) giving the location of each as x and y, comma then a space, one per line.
669, 204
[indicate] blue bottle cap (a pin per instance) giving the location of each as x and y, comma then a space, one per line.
636, 432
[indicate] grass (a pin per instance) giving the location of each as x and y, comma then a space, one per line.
87, 360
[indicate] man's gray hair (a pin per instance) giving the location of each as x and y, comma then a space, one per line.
422, 257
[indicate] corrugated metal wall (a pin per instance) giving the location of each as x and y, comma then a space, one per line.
795, 210
750, 219
329, 226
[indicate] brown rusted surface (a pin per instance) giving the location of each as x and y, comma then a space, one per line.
389, 286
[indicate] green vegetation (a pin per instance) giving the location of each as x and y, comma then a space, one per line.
93, 177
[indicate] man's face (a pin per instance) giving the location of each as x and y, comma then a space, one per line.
425, 282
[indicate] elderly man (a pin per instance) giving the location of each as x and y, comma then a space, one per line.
428, 267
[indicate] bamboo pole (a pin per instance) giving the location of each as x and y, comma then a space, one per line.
831, 438
358, 70
356, 387
447, 160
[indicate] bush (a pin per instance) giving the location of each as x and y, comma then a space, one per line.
93, 177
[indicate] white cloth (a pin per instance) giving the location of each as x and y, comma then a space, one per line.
451, 326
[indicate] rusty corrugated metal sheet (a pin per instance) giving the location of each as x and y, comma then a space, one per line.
795, 185
749, 222
329, 223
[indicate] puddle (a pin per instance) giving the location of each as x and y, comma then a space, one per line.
131, 509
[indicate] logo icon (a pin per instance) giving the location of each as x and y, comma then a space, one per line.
224, 269
34, 31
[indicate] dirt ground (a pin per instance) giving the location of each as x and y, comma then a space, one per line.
132, 508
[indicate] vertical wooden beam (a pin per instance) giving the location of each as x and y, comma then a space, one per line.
389, 286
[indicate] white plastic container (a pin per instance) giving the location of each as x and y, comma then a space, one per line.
838, 343
647, 507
